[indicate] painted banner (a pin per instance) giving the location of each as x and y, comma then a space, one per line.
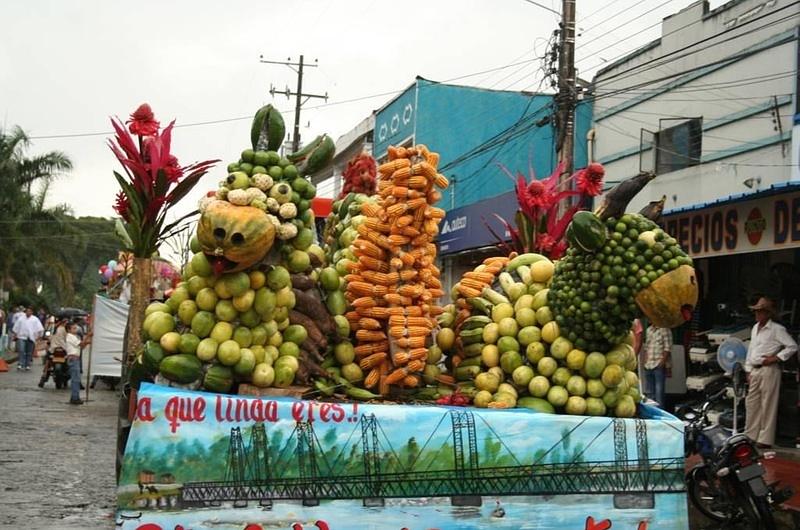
208, 461
767, 223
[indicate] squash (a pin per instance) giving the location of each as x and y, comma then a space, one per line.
234, 238
668, 300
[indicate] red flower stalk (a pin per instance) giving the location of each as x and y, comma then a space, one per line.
142, 122
122, 205
155, 180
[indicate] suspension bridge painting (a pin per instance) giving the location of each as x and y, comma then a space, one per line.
208, 461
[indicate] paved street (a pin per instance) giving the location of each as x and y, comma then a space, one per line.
56, 459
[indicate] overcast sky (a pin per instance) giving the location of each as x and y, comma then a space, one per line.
66, 66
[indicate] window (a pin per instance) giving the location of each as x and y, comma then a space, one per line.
679, 146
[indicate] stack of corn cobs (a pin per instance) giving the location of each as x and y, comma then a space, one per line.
393, 286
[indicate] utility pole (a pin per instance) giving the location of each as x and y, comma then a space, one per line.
566, 88
299, 102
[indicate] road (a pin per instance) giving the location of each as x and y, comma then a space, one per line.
56, 459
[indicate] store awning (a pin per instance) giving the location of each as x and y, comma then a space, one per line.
760, 221
781, 187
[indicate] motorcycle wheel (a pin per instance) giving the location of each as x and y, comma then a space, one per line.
758, 512
705, 495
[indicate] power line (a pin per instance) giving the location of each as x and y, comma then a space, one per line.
287, 111
659, 60
603, 8
624, 23
537, 4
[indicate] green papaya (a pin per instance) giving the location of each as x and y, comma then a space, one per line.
315, 156
218, 378
268, 129
181, 368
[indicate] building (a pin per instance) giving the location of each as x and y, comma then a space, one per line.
474, 130
709, 108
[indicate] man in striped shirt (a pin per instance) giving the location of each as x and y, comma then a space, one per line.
656, 361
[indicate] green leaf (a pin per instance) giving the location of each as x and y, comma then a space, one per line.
184, 187
136, 208
122, 234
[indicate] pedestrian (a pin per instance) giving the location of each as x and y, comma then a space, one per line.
656, 362
58, 341
770, 344
74, 347
14, 315
27, 330
3, 333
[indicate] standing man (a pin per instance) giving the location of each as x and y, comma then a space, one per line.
656, 356
74, 347
27, 329
770, 343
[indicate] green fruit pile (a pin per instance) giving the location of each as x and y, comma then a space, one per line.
594, 288
265, 325
515, 354
217, 331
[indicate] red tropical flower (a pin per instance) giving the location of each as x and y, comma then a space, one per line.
122, 205
143, 122
155, 179
539, 226
590, 179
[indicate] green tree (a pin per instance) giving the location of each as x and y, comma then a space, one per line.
26, 223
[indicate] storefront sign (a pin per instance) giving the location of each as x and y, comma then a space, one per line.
768, 223
464, 228
207, 461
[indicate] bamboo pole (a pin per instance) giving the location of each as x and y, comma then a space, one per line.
140, 297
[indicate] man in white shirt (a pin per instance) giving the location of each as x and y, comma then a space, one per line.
27, 329
770, 343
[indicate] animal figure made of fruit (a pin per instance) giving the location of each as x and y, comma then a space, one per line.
248, 310
555, 336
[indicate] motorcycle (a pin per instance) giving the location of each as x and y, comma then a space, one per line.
728, 485
55, 366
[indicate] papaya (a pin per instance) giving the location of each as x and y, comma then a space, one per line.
218, 378
181, 368
315, 156
668, 301
268, 129
586, 231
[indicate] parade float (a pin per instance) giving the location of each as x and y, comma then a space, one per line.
301, 380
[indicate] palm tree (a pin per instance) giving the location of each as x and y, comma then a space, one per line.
26, 255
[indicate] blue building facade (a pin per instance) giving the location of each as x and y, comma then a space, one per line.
475, 131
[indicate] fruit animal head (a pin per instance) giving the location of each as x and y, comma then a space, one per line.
616, 269
233, 237
668, 301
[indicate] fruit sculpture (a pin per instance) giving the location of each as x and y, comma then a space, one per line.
384, 253
248, 309
555, 337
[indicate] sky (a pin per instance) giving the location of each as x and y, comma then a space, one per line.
66, 66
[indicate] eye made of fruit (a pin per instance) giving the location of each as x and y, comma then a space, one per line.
233, 237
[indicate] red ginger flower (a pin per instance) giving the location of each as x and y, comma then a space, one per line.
122, 205
590, 179
143, 122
